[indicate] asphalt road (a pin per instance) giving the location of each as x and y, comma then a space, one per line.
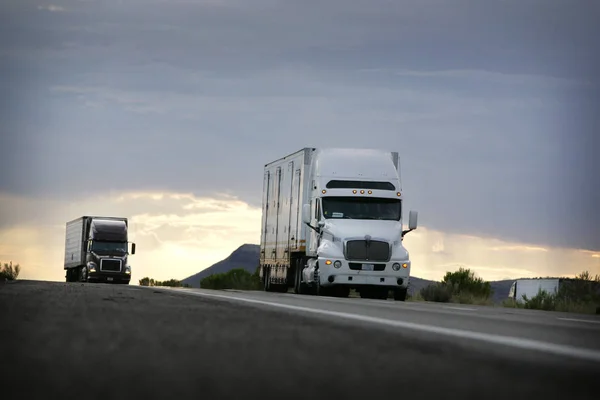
113, 341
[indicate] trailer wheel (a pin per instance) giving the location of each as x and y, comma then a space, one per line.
267, 282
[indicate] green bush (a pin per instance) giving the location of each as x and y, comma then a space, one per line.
9, 272
541, 301
461, 286
170, 283
237, 278
438, 292
466, 283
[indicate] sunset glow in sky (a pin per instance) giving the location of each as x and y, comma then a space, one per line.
165, 112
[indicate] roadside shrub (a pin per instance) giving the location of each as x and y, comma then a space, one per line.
9, 272
512, 303
541, 301
438, 292
170, 283
466, 283
461, 286
237, 278
414, 296
580, 295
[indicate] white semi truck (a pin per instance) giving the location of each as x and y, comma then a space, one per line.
332, 221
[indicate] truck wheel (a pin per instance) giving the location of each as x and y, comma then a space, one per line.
299, 286
400, 294
316, 288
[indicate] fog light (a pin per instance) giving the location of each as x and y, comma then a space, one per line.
396, 267
337, 264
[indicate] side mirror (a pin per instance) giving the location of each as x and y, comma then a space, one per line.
132, 248
306, 213
321, 224
412, 220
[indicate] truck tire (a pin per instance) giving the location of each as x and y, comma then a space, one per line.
400, 294
299, 286
267, 287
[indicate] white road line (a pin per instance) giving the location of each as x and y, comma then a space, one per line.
527, 344
460, 308
579, 320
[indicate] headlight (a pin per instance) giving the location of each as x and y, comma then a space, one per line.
128, 269
337, 264
91, 267
396, 267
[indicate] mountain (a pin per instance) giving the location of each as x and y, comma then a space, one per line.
247, 257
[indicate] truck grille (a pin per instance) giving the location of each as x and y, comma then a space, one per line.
375, 251
358, 267
110, 265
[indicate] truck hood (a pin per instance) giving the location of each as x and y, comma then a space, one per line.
344, 229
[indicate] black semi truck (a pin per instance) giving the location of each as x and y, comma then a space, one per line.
97, 250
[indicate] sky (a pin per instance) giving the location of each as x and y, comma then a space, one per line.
166, 112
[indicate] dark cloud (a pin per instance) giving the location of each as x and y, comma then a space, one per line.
490, 105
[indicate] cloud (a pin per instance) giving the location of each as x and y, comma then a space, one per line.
51, 8
491, 109
492, 259
178, 234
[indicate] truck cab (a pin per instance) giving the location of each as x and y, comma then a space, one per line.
355, 221
97, 250
107, 252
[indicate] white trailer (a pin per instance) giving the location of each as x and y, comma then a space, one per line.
531, 287
332, 221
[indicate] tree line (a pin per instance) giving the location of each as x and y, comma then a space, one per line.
171, 282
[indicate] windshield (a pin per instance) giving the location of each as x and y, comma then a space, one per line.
361, 208
109, 247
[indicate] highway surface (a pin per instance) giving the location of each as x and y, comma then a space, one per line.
114, 341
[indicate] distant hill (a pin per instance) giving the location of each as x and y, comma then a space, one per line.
247, 257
